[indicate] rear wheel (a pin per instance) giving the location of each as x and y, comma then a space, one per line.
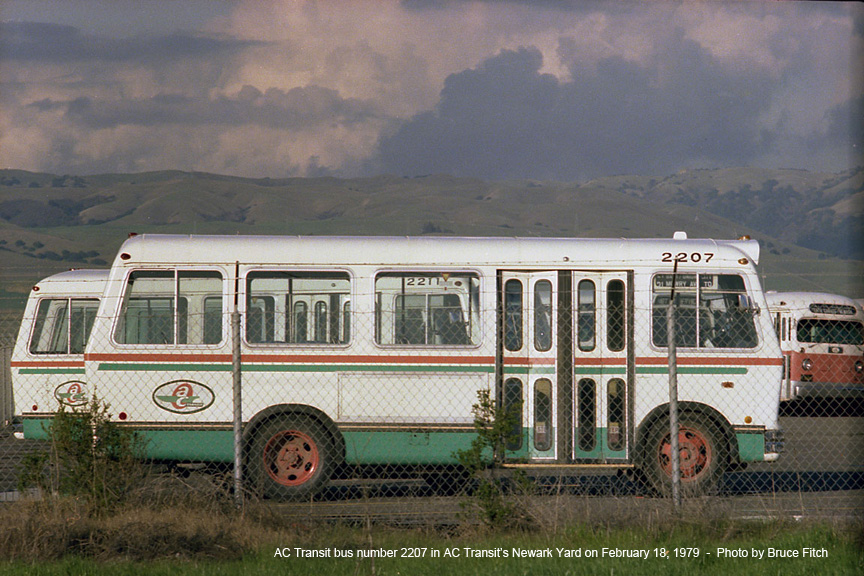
291, 457
703, 452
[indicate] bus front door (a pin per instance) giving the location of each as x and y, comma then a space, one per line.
602, 366
529, 355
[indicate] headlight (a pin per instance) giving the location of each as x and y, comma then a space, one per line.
807, 364
859, 366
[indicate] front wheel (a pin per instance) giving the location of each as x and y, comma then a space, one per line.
291, 458
703, 453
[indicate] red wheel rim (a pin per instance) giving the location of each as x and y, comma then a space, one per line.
694, 450
291, 458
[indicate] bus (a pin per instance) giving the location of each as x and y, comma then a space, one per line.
55, 328
371, 352
822, 338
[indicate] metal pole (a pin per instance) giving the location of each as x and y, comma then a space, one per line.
236, 381
673, 395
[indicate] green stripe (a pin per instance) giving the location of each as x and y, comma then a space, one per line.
51, 371
693, 370
529, 370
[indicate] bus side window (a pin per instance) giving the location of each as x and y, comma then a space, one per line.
297, 307
513, 315
54, 332
586, 316
168, 307
194, 289
49, 327
543, 316
615, 317
427, 308
83, 316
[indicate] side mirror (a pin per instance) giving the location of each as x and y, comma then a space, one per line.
745, 302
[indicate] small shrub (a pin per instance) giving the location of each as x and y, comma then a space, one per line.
88, 456
495, 427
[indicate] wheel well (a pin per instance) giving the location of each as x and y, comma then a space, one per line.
279, 410
690, 408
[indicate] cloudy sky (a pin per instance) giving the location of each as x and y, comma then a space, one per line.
536, 89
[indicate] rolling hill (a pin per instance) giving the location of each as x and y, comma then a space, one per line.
810, 224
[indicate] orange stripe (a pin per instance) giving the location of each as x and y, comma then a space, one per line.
322, 359
48, 364
158, 357
292, 358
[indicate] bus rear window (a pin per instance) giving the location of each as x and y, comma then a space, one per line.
815, 331
56, 331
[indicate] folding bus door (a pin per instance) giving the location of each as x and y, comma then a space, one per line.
602, 366
528, 345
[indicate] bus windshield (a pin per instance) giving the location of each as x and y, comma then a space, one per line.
817, 331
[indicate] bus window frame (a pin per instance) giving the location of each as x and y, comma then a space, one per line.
406, 272
69, 300
748, 291
243, 281
120, 308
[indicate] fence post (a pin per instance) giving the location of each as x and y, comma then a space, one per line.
236, 382
675, 454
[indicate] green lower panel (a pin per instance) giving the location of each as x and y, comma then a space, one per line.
751, 447
36, 428
195, 445
601, 449
404, 447
201, 445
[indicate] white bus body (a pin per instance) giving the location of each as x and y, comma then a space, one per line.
49, 353
822, 338
371, 351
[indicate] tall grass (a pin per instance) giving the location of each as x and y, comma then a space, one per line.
247, 545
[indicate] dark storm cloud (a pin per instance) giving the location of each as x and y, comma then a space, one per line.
296, 109
33, 42
506, 119
845, 124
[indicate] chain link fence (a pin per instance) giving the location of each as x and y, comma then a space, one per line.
358, 386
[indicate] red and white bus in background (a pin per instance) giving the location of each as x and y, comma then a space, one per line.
822, 337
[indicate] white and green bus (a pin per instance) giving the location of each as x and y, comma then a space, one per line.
370, 351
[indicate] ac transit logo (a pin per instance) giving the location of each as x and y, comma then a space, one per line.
183, 396
72, 393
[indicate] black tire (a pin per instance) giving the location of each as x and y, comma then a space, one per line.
704, 455
291, 457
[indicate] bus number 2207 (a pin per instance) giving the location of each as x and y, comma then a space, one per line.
685, 257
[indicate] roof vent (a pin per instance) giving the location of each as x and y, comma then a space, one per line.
679, 235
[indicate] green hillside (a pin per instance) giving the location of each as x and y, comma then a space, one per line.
53, 222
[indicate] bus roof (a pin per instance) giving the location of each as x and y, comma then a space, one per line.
426, 250
85, 282
802, 301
